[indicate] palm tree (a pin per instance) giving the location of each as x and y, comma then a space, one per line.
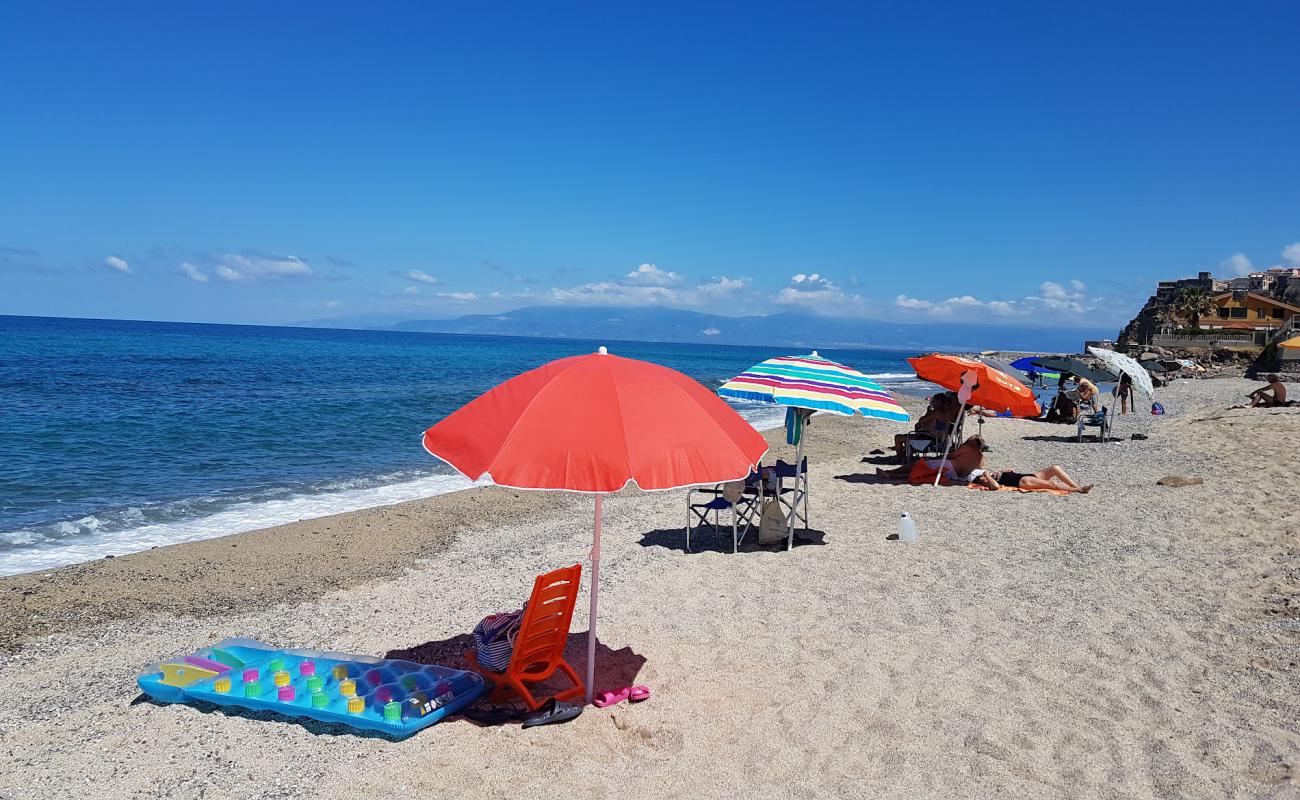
1192, 302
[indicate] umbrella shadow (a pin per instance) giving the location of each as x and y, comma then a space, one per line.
871, 479
885, 459
1062, 438
614, 669
706, 542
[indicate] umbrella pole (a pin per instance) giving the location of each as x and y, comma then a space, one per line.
943, 462
794, 501
595, 600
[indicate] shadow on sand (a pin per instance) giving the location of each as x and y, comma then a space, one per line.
871, 478
614, 669
704, 541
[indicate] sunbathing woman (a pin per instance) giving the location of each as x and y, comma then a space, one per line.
1051, 478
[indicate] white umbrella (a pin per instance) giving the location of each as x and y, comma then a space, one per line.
1121, 364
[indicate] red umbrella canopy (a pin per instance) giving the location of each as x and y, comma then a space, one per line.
996, 390
597, 423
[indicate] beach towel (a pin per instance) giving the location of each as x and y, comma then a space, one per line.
793, 425
1001, 488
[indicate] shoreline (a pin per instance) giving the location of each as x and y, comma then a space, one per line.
1137, 641
250, 516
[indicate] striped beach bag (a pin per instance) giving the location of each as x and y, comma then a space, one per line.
494, 639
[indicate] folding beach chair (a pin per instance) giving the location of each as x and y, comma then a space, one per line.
1100, 421
745, 511
539, 645
923, 445
794, 496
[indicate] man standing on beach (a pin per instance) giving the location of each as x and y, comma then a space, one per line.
1274, 394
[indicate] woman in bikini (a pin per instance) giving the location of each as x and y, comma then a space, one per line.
1051, 478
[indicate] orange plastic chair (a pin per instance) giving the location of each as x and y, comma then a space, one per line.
539, 645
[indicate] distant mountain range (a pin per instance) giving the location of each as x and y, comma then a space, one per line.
785, 329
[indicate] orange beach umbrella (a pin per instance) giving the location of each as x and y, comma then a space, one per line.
596, 424
1291, 344
993, 388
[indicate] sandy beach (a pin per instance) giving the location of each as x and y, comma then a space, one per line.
1139, 641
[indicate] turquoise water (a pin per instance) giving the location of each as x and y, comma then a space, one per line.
120, 436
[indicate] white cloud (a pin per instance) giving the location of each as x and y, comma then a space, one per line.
1236, 264
711, 331
819, 294
459, 297
194, 273
647, 285
113, 262
1291, 254
650, 275
903, 301
421, 276
1053, 296
234, 267
413, 290
333, 303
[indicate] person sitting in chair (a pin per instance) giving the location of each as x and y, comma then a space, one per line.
1271, 395
937, 420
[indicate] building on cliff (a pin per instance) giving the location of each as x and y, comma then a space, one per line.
1250, 310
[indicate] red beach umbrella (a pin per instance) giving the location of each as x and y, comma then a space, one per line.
598, 423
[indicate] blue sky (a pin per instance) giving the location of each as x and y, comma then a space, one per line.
1044, 162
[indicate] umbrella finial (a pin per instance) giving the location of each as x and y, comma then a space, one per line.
815, 354
602, 351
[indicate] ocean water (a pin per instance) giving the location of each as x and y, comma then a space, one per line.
119, 436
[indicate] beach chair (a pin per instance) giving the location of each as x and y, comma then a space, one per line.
793, 496
922, 445
1101, 421
745, 510
539, 645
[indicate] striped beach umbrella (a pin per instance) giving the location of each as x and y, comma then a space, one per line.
814, 383
811, 383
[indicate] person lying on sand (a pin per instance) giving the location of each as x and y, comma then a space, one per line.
1051, 478
1271, 395
965, 459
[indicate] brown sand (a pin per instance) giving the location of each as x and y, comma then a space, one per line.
1141, 641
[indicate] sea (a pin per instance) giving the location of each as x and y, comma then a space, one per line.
119, 436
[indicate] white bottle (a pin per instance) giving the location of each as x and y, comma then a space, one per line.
906, 528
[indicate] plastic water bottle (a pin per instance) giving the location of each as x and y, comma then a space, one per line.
906, 528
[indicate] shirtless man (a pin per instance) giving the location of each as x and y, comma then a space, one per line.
1274, 394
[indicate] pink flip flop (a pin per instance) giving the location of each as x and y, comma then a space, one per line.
634, 694
612, 698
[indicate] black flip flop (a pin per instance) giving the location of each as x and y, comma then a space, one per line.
552, 711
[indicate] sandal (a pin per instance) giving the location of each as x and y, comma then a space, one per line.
552, 711
615, 697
